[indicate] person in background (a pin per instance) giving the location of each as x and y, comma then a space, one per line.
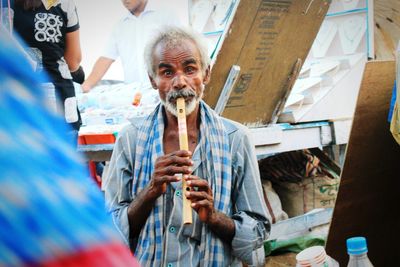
128, 40
51, 212
50, 30
220, 167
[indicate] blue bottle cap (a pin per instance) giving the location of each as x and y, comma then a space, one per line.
356, 245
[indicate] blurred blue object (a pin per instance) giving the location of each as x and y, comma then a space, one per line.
392, 102
49, 207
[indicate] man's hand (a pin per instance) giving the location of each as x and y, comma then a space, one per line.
86, 87
203, 203
201, 197
164, 173
165, 169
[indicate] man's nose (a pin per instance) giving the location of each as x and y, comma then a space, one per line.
179, 81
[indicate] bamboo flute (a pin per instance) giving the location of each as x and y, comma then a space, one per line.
183, 144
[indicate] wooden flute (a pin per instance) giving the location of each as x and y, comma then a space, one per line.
183, 144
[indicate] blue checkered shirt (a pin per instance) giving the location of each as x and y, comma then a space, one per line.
182, 244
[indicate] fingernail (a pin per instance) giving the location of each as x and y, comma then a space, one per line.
188, 182
191, 162
193, 205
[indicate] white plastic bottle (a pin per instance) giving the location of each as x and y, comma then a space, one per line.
357, 250
315, 257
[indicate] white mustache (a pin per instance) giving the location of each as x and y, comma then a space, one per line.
187, 92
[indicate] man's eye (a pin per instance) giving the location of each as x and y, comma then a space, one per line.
167, 73
190, 70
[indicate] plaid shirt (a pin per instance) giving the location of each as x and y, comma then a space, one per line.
226, 158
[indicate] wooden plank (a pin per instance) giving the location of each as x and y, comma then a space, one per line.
367, 202
266, 39
387, 28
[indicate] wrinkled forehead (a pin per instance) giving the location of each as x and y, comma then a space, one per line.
176, 51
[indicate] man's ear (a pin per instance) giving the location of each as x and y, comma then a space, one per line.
153, 83
207, 75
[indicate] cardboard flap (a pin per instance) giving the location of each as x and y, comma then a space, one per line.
367, 202
269, 40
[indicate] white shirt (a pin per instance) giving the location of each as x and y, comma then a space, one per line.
130, 36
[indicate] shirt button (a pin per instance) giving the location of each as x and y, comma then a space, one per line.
172, 229
170, 265
178, 193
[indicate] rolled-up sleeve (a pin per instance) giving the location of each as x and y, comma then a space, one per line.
250, 213
117, 182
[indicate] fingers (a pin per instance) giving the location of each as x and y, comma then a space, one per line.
167, 166
164, 180
196, 182
158, 184
203, 214
168, 179
202, 204
180, 158
201, 198
172, 170
174, 163
175, 160
180, 153
198, 196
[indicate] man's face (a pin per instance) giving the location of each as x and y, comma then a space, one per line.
179, 74
133, 5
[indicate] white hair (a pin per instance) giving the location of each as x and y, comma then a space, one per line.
171, 37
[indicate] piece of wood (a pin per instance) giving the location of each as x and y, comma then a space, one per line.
266, 39
387, 28
183, 145
368, 200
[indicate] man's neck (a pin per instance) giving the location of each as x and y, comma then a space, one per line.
139, 10
192, 120
171, 131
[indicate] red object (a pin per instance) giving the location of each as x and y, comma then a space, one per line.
93, 173
81, 140
94, 139
136, 99
101, 255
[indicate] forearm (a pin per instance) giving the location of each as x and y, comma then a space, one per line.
72, 53
222, 226
99, 70
73, 64
139, 210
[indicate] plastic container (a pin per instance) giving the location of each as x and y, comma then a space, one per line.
357, 250
137, 98
315, 257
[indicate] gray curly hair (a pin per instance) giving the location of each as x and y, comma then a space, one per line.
171, 37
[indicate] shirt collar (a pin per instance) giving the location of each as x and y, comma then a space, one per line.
151, 6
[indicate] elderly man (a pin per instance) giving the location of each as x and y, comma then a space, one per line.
220, 168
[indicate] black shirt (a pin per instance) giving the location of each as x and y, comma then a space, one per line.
44, 32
